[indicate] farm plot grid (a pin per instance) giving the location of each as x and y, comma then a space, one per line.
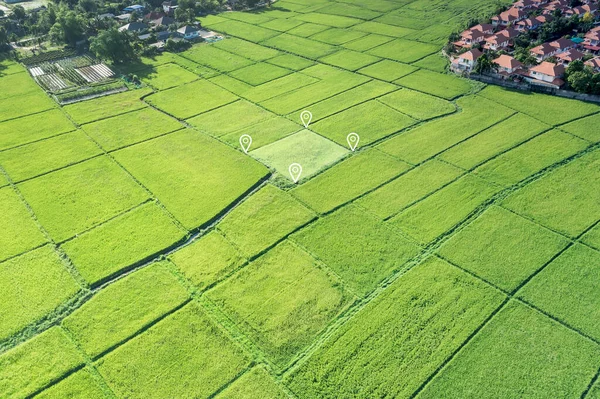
145, 254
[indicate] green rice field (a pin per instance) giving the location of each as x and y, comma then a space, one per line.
453, 253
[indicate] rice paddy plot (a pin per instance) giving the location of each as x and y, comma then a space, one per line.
191, 99
263, 219
366, 42
349, 179
441, 85
387, 70
300, 46
528, 158
249, 17
408, 188
244, 30
335, 21
130, 128
281, 25
264, 133
72, 200
519, 353
32, 285
104, 107
184, 355
81, 384
124, 308
122, 242
17, 85
337, 36
404, 50
256, 383
259, 73
207, 260
291, 61
592, 237
563, 199
32, 128
310, 150
348, 241
586, 128
434, 62
307, 29
230, 118
186, 171
216, 58
169, 75
282, 301
44, 156
22, 105
418, 105
394, 344
426, 220
30, 367
246, 49
378, 5
520, 248
349, 10
18, 230
371, 120
350, 60
382, 29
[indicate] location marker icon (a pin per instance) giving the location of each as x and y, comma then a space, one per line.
245, 142
353, 140
295, 171
306, 118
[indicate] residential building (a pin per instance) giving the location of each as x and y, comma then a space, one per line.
465, 62
594, 63
549, 73
134, 27
188, 32
569, 56
163, 21
135, 7
562, 44
543, 51
507, 65
510, 16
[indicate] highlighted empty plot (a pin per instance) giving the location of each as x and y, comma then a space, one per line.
192, 99
125, 307
122, 242
186, 171
564, 199
230, 118
418, 105
438, 84
208, 259
282, 300
519, 248
349, 179
520, 353
349, 240
18, 230
404, 50
428, 219
74, 199
34, 127
263, 219
372, 121
396, 342
184, 355
32, 285
310, 150
388, 70
259, 73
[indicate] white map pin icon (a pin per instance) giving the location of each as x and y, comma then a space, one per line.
306, 118
245, 142
353, 140
295, 171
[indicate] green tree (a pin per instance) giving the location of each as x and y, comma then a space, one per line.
114, 46
18, 13
581, 81
484, 64
69, 28
3, 39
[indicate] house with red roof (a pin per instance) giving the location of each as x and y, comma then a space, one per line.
543, 51
594, 63
465, 62
510, 16
566, 57
548, 73
507, 65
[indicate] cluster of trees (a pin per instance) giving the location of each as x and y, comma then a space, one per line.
582, 78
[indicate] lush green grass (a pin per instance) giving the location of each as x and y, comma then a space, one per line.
520, 353
592, 237
262, 220
337, 36
207, 260
47, 155
382, 29
530, 157
564, 199
246, 49
281, 300
186, 171
17, 85
125, 307
18, 231
428, 219
31, 366
307, 29
329, 20
216, 58
183, 102
550, 109
230, 118
404, 50
104, 107
244, 30
32, 285
404, 191
349, 179
24, 104
74, 199
519, 248
371, 120
313, 152
418, 105
185, 355
568, 289
438, 84
300, 46
291, 61
250, 17
387, 70
400, 337
586, 128
493, 141
32, 128
255, 383
133, 127
259, 73
434, 62
281, 25
367, 42
266, 90
78, 385
169, 75
265, 132
348, 59
349, 10
425, 141
357, 241
121, 242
